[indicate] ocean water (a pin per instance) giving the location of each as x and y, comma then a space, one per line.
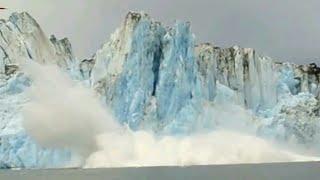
272, 171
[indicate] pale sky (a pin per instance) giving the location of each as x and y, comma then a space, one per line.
287, 30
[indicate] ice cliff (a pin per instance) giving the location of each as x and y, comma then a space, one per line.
22, 40
156, 77
152, 76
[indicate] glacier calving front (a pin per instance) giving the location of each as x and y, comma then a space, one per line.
154, 77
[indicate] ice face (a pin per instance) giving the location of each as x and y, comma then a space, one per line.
126, 68
21, 41
156, 78
181, 75
17, 149
294, 118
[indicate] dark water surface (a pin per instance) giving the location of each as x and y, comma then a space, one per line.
282, 171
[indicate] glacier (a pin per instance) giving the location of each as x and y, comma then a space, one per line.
156, 78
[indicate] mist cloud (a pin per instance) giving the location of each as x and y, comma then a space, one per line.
62, 113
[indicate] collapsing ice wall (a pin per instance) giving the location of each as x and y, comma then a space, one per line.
154, 77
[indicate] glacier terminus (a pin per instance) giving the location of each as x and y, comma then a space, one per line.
157, 78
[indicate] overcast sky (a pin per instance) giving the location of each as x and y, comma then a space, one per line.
288, 30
